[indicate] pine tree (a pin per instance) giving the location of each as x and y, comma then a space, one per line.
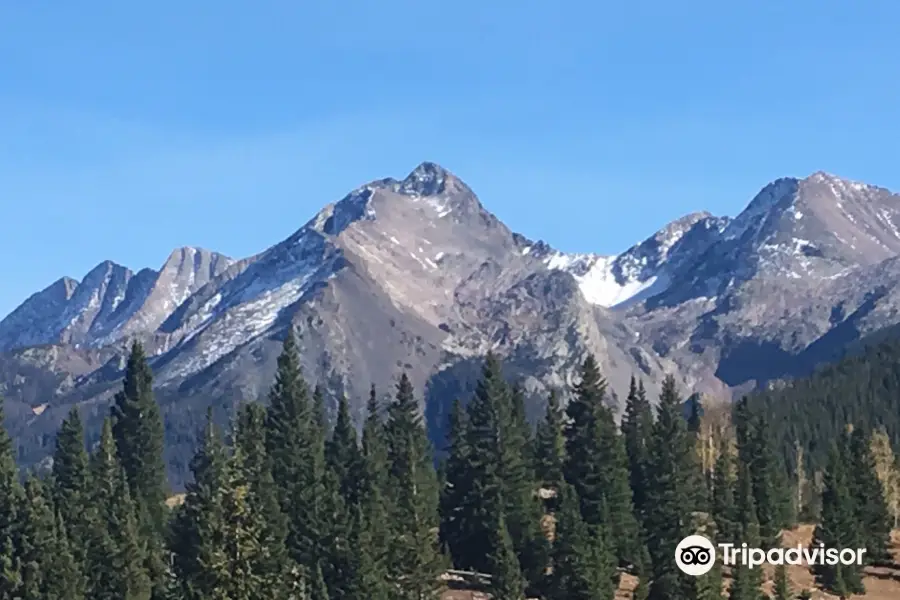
365, 576
490, 478
273, 566
375, 534
670, 477
415, 559
317, 588
723, 507
66, 579
637, 427
550, 445
770, 487
295, 445
71, 485
11, 495
583, 567
838, 527
782, 589
342, 455
199, 524
597, 466
872, 516
507, 581
138, 432
37, 546
746, 582
137, 428
457, 488
116, 556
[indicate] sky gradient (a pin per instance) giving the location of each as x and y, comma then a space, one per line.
129, 130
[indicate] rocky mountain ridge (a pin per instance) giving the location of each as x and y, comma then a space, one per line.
415, 274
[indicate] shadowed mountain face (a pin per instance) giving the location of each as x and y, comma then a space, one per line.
416, 275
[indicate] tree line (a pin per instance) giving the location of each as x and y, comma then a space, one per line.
283, 505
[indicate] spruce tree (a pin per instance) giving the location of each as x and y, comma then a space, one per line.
342, 455
253, 468
770, 487
722, 506
838, 527
637, 427
66, 580
317, 590
117, 553
71, 486
550, 445
366, 578
137, 428
782, 589
507, 581
670, 475
872, 516
597, 466
415, 561
457, 488
199, 523
373, 507
37, 545
583, 566
746, 582
295, 445
11, 495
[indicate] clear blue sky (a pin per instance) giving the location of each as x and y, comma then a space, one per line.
128, 129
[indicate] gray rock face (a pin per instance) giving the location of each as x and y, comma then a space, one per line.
416, 275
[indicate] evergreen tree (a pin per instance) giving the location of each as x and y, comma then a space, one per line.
637, 427
116, 556
723, 507
37, 545
342, 455
583, 567
317, 588
365, 575
66, 579
838, 527
782, 589
746, 582
550, 445
770, 487
253, 468
415, 559
375, 533
491, 478
199, 524
670, 475
11, 495
457, 488
295, 445
507, 582
138, 432
71, 485
597, 466
871, 513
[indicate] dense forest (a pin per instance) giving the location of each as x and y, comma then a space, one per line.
284, 505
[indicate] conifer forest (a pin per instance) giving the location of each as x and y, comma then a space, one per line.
283, 505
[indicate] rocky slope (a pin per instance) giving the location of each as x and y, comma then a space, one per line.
416, 275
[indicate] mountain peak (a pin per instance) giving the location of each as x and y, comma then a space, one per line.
427, 179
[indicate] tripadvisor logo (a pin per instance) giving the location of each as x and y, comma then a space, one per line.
696, 555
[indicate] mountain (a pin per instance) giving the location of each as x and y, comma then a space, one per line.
416, 275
